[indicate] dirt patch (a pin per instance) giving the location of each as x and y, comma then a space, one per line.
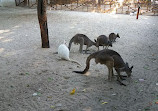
35, 79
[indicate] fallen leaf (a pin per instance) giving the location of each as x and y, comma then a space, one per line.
59, 105
136, 81
84, 90
156, 101
141, 90
27, 73
39, 93
147, 68
49, 96
104, 102
49, 79
147, 108
65, 77
141, 80
114, 94
35, 94
52, 106
72, 92
87, 73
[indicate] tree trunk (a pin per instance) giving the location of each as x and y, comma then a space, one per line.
42, 18
25, 2
138, 12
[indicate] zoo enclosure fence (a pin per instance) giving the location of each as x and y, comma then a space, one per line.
103, 6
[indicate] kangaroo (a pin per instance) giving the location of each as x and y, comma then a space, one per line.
63, 53
103, 40
113, 36
111, 59
82, 40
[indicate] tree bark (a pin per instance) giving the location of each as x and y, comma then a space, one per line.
138, 12
25, 2
42, 18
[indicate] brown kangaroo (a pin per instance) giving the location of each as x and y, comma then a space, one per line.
111, 59
103, 40
82, 40
113, 36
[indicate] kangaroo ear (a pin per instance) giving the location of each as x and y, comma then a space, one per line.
126, 64
65, 42
131, 68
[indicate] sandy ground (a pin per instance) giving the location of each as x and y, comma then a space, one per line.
35, 79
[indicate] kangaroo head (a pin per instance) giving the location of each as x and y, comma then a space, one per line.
96, 43
65, 42
128, 69
110, 43
92, 43
117, 35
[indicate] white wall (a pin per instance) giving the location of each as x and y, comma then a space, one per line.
7, 2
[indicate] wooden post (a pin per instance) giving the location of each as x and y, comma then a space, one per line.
99, 5
138, 11
104, 7
87, 7
29, 3
42, 18
51, 3
25, 2
122, 8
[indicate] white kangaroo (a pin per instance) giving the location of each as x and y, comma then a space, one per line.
64, 52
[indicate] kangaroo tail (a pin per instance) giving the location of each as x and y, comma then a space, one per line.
80, 72
87, 64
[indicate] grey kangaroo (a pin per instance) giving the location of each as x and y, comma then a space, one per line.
111, 59
113, 36
103, 40
82, 40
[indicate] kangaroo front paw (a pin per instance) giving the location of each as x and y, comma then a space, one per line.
121, 83
122, 78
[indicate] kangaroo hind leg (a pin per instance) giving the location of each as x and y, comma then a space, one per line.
110, 65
